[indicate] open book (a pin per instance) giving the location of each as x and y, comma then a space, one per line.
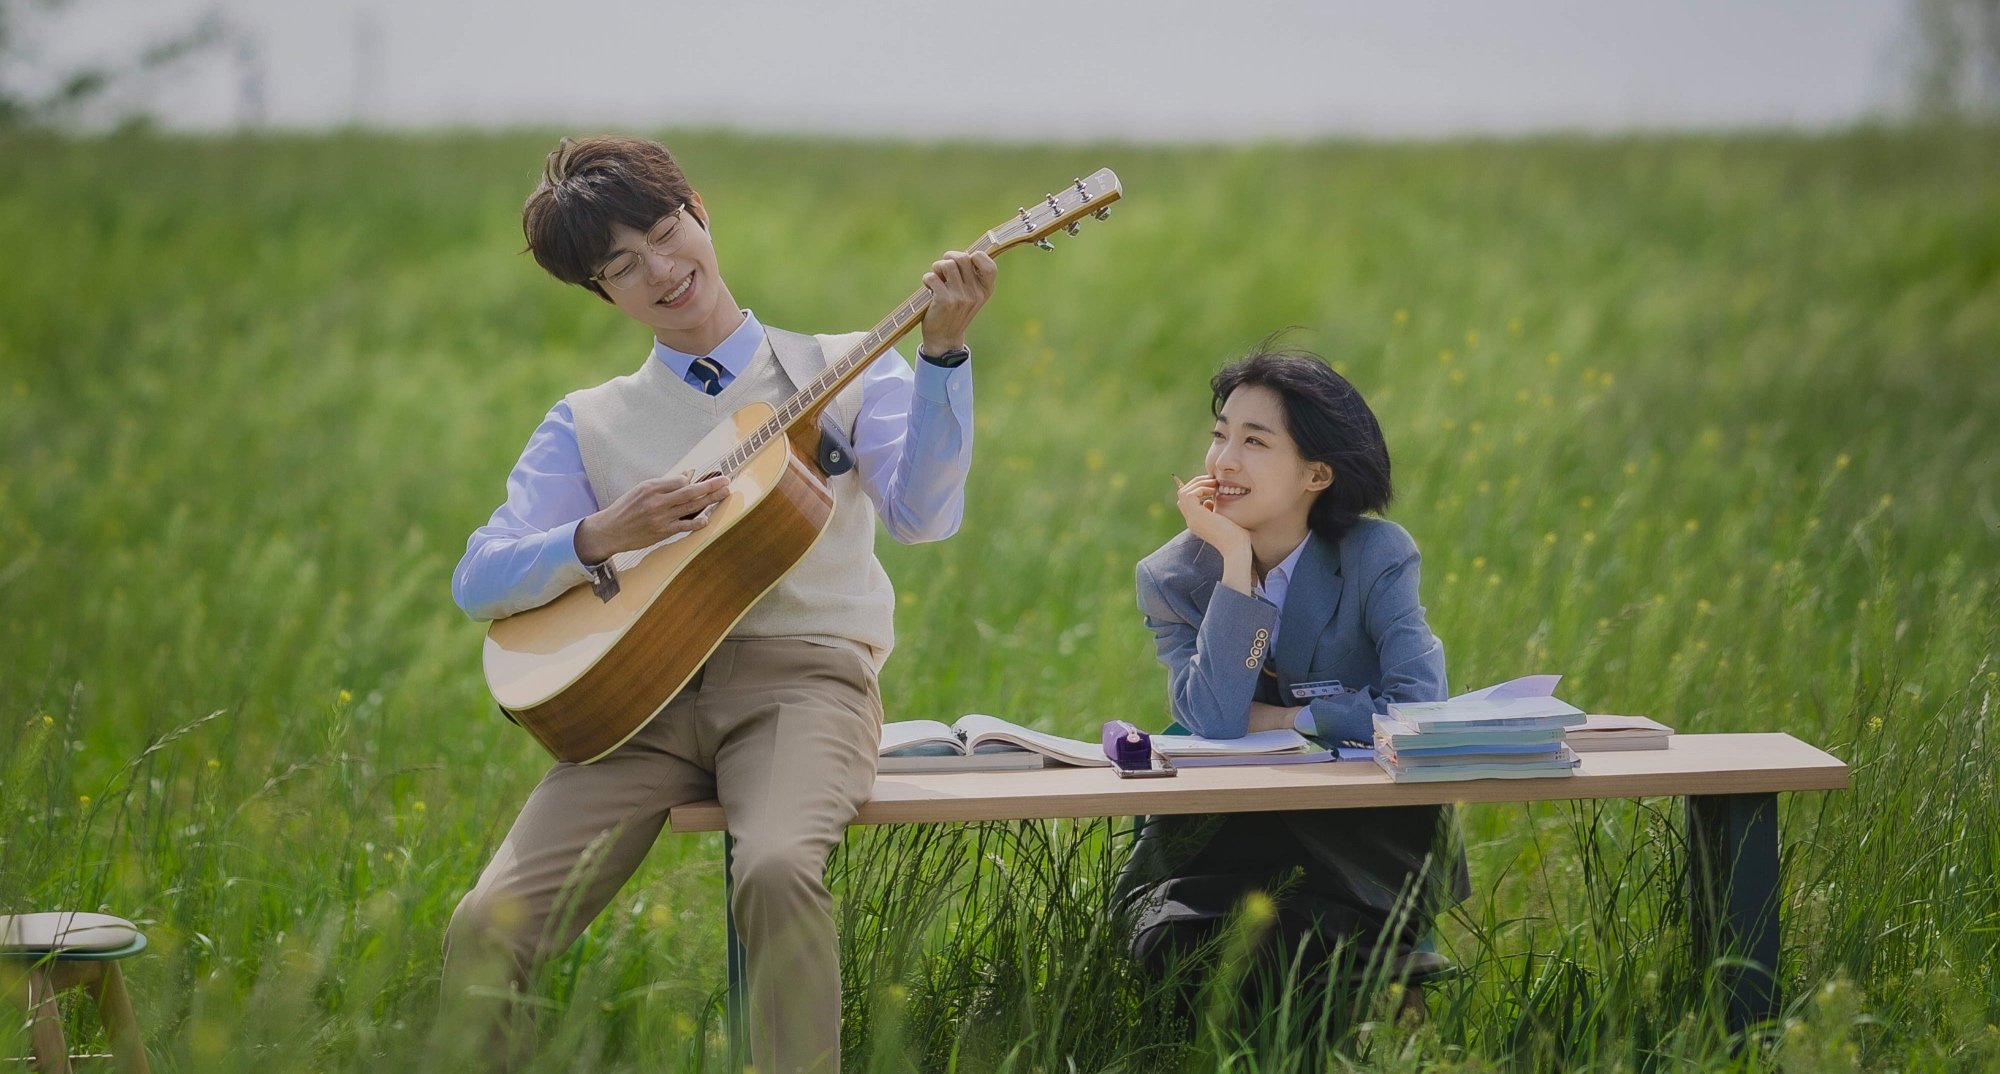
928, 746
1618, 733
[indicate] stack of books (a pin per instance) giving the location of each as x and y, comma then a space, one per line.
1476, 738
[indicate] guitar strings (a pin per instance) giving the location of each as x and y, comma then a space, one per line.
836, 374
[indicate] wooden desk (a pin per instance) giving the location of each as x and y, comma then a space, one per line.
1731, 783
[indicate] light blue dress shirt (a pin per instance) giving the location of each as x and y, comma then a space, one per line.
912, 447
1278, 582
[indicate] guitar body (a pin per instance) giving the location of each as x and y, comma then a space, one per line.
583, 674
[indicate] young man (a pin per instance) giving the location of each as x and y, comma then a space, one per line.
782, 722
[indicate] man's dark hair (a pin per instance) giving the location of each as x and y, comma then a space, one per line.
1329, 421
589, 184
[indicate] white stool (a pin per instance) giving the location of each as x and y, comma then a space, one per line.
45, 955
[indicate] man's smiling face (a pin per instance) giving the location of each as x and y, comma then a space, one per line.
670, 280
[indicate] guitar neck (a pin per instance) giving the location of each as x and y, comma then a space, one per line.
1057, 211
810, 399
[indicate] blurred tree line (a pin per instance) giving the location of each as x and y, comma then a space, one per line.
1952, 57
36, 90
1956, 69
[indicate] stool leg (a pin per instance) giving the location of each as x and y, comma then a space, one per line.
114, 1008
46, 1038
1413, 1011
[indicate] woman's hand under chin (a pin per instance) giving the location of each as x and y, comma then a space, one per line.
1196, 500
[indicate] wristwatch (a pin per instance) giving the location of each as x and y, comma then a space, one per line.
950, 359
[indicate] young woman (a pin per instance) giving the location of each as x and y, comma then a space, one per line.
1280, 580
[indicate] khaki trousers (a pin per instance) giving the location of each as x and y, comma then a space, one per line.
784, 733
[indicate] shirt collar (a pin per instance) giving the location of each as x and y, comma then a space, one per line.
1289, 564
733, 354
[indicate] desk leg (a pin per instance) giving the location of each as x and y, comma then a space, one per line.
737, 1005
1733, 897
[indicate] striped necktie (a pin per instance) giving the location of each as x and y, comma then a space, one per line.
706, 374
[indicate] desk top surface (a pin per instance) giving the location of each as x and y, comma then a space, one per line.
1690, 765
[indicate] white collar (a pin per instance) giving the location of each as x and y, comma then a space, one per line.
733, 354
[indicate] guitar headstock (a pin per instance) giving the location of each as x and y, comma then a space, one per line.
1060, 211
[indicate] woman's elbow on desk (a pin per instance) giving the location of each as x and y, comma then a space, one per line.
1208, 722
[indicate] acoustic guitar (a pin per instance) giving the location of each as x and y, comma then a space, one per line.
584, 672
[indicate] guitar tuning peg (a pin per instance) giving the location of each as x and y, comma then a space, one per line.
1045, 244
1071, 227
1103, 214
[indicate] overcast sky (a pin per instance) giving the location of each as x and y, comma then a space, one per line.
1024, 69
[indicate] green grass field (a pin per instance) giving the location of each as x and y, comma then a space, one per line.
1706, 424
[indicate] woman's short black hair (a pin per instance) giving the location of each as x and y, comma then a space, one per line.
1329, 421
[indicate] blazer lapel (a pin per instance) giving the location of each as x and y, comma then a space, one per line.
1310, 602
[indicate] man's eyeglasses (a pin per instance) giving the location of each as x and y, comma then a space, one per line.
629, 269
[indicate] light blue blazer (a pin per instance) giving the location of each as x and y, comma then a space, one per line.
1351, 613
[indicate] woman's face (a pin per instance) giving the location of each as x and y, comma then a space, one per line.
1261, 479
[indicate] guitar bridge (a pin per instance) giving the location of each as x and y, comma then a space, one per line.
603, 581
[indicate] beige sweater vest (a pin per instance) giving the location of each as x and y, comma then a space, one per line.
634, 428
